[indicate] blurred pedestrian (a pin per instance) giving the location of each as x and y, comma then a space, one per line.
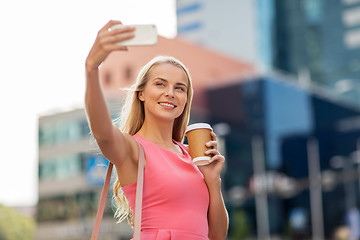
180, 200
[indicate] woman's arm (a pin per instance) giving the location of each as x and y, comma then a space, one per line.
113, 144
218, 219
217, 214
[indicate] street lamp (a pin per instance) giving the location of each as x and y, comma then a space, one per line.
261, 204
315, 188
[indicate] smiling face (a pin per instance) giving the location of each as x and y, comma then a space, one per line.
165, 93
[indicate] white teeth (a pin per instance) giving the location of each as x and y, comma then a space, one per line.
167, 104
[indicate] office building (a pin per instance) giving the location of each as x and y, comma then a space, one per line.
272, 120
316, 40
71, 174
321, 38
227, 27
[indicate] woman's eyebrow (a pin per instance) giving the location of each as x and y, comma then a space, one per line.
159, 78
164, 80
182, 84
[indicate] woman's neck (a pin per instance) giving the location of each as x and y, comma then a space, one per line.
157, 132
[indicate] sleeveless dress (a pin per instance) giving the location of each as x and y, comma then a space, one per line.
175, 196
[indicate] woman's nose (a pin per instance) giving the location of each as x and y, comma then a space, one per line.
169, 92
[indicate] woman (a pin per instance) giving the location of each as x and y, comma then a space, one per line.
180, 200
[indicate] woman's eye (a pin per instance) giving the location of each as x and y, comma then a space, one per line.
180, 88
160, 84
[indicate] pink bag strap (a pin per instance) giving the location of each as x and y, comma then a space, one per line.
139, 193
138, 201
99, 214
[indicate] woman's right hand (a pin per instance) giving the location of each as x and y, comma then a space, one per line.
105, 43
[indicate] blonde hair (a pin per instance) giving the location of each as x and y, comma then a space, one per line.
132, 118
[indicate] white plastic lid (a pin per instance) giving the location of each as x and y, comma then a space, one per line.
197, 126
201, 161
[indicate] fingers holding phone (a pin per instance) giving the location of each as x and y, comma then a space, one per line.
114, 32
145, 34
105, 43
128, 35
115, 36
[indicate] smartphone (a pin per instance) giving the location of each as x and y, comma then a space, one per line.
145, 34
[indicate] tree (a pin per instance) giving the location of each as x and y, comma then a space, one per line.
241, 226
15, 226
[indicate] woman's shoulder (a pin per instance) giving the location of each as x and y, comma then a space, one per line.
138, 139
141, 141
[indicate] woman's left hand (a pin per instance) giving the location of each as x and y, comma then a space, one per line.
212, 171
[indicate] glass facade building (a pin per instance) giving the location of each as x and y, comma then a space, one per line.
285, 116
321, 38
226, 26
316, 40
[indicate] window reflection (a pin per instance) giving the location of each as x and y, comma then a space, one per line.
63, 131
60, 167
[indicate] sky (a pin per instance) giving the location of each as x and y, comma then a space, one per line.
43, 47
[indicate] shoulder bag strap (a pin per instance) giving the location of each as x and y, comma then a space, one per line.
138, 202
139, 193
99, 214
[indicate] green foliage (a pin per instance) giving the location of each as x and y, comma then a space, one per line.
241, 227
14, 226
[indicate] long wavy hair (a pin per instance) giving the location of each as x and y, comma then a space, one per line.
132, 118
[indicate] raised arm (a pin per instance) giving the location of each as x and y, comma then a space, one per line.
115, 145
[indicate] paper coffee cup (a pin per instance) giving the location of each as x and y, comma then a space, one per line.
198, 135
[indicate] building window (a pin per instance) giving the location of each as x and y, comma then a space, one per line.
349, 2
351, 17
313, 11
108, 79
60, 167
128, 73
62, 131
352, 39
74, 206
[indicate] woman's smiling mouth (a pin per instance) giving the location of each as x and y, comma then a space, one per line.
168, 105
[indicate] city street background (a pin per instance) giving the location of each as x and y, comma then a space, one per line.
279, 81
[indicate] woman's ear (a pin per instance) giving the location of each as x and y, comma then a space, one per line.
141, 96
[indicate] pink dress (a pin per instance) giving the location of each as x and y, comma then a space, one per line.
175, 197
